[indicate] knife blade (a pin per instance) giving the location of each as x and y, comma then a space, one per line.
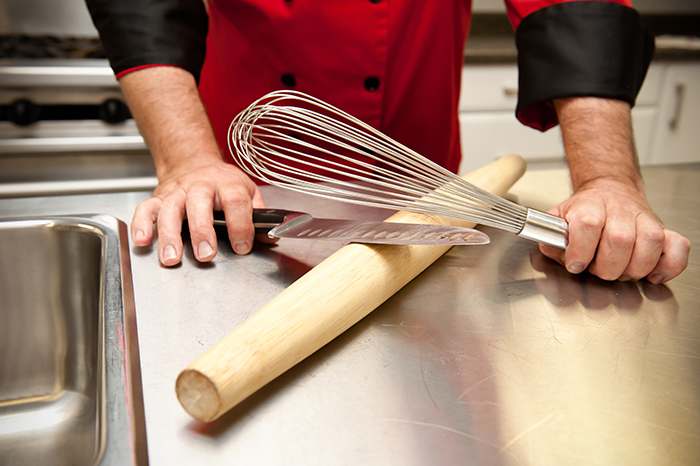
278, 223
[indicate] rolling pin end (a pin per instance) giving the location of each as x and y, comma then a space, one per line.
198, 395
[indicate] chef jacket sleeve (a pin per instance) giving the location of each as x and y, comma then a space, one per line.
142, 33
577, 48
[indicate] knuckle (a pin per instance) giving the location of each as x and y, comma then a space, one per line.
200, 188
201, 184
148, 208
142, 216
241, 232
592, 221
198, 226
684, 244
650, 230
654, 235
174, 199
234, 197
621, 238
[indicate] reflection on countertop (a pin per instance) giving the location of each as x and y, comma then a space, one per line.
493, 355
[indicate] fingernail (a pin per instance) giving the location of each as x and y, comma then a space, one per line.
656, 278
204, 250
575, 268
139, 234
169, 253
241, 247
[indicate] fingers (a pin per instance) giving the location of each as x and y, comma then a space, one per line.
238, 209
197, 205
145, 216
674, 258
170, 217
648, 246
618, 240
258, 203
549, 251
195, 194
586, 219
200, 207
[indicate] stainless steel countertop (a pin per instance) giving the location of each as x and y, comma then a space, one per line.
493, 355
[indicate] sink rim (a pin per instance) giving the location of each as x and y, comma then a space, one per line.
123, 438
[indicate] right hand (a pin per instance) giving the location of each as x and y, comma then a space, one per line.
194, 180
194, 193
612, 230
614, 233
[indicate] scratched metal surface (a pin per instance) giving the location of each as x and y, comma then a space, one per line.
493, 356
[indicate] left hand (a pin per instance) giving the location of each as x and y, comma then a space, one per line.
614, 233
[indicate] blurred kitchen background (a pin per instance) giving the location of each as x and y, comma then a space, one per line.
64, 127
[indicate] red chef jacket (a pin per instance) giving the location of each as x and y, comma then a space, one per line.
394, 64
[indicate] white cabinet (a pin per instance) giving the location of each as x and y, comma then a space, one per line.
489, 129
487, 136
677, 133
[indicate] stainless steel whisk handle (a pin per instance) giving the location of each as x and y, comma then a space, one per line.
545, 228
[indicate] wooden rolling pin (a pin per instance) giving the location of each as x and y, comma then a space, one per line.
318, 307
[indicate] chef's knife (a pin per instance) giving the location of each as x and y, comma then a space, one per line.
277, 223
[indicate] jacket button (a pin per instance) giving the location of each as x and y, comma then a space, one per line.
372, 83
289, 80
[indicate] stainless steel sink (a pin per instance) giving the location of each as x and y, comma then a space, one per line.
70, 386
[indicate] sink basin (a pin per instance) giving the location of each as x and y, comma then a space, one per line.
70, 385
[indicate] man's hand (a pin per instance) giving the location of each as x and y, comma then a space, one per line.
612, 230
195, 194
614, 233
193, 178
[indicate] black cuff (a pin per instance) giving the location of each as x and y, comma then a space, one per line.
580, 48
137, 33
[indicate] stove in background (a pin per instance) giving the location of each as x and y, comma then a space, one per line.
64, 126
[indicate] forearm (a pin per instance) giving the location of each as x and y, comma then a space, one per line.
612, 230
166, 106
194, 180
598, 141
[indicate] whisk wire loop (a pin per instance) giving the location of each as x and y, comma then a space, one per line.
298, 142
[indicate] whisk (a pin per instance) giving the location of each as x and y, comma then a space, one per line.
295, 141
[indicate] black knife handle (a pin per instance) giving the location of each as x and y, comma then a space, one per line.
266, 219
263, 219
